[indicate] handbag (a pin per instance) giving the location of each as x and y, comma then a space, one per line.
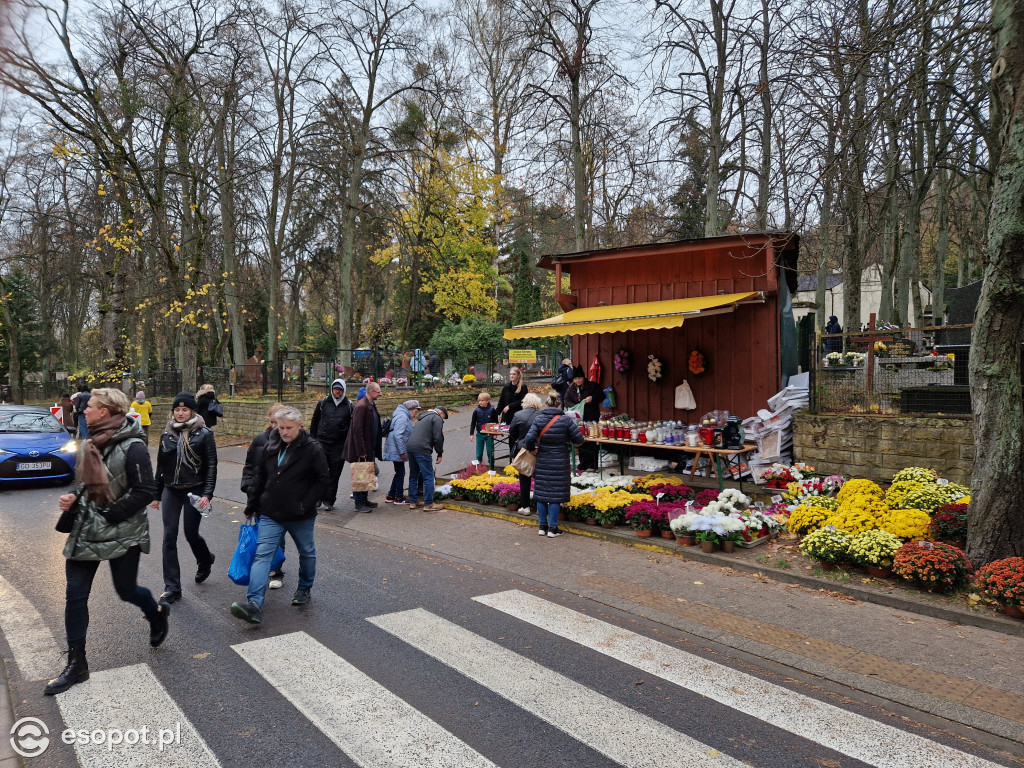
245, 553
217, 409
364, 478
66, 521
525, 462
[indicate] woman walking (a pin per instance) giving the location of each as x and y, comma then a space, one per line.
512, 395
549, 437
186, 463
109, 523
517, 432
395, 448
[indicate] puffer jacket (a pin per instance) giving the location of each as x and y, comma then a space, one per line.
186, 476
519, 427
398, 438
97, 534
551, 477
289, 491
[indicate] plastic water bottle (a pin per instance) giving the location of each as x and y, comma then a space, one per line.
194, 499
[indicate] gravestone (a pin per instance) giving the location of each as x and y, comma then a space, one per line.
962, 304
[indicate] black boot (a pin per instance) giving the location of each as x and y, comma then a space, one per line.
77, 671
158, 625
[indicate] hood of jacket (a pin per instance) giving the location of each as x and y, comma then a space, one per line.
344, 390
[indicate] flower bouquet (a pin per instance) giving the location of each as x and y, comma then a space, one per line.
829, 545
671, 492
469, 378
833, 359
653, 368
802, 491
641, 516
779, 476
806, 518
623, 361
1003, 581
507, 494
401, 381
697, 363
932, 565
705, 497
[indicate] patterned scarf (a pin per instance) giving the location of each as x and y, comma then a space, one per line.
92, 472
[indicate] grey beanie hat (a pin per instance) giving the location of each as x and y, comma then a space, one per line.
412, 404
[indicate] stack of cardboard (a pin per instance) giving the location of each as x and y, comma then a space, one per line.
772, 427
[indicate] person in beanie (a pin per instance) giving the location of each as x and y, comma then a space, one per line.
591, 395
427, 437
186, 462
332, 418
363, 442
395, 449
115, 480
290, 475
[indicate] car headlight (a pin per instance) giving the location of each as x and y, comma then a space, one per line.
7, 453
69, 447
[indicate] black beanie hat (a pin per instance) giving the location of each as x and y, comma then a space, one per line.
184, 398
577, 372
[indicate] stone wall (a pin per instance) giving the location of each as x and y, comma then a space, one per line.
876, 448
244, 419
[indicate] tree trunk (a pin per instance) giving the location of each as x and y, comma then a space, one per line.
996, 518
941, 251
764, 178
11, 332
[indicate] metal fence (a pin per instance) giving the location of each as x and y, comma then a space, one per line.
893, 372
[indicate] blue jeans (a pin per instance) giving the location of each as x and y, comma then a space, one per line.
271, 534
547, 514
83, 428
421, 466
398, 481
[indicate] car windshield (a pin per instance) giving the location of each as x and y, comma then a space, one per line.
26, 421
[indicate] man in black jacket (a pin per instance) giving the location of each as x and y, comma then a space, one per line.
332, 418
291, 474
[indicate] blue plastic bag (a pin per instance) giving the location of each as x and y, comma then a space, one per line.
245, 553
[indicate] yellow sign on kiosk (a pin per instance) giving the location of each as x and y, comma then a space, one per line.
522, 356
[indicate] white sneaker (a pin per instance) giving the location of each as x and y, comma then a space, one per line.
525, 511
275, 584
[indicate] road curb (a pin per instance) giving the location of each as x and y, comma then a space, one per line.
993, 623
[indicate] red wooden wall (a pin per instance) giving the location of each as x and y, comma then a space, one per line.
742, 348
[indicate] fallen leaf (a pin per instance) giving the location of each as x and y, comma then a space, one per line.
714, 753
737, 690
639, 682
699, 583
204, 655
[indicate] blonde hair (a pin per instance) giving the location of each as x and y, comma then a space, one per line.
114, 400
532, 400
554, 399
483, 396
272, 410
520, 385
204, 389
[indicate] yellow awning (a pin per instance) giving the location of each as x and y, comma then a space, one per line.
644, 316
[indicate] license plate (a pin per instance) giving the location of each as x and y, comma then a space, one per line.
33, 465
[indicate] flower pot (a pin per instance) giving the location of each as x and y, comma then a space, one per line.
1014, 610
607, 525
644, 534
879, 572
685, 541
728, 546
667, 534
590, 521
828, 566
512, 507
459, 497
707, 546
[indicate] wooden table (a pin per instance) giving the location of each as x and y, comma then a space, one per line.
731, 455
500, 438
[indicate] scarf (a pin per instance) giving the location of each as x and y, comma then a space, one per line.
186, 454
92, 472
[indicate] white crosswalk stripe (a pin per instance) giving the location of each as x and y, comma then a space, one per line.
370, 724
123, 701
639, 741
35, 650
851, 734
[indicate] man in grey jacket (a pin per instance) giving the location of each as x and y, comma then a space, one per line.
427, 437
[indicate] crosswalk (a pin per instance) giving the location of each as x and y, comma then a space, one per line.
375, 727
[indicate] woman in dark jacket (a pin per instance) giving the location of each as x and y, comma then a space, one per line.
590, 394
833, 326
517, 431
551, 477
186, 462
207, 405
512, 395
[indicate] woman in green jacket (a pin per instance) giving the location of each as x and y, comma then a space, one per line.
115, 479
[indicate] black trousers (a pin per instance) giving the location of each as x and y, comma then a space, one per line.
525, 484
80, 575
335, 464
176, 508
587, 456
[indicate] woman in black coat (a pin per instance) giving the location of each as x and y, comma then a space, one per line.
551, 477
517, 432
186, 463
208, 406
591, 395
512, 395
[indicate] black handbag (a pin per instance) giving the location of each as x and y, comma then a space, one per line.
66, 521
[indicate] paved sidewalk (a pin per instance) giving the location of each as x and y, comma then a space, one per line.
8, 757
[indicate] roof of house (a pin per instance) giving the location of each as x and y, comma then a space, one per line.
810, 282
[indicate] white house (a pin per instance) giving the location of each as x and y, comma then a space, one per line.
870, 294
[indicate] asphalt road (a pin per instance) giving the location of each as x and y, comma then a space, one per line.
409, 656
